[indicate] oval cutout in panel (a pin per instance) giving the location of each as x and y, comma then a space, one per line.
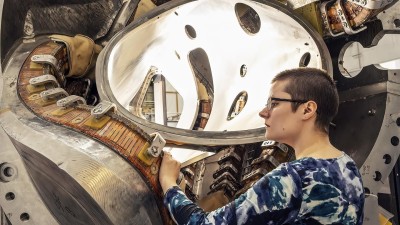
123, 67
248, 18
190, 31
305, 60
200, 64
238, 105
243, 70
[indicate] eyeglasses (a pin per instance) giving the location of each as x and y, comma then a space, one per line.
270, 104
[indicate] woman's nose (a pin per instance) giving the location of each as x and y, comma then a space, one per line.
264, 113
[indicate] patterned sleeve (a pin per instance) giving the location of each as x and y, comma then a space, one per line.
274, 199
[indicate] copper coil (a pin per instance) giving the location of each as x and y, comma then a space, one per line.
125, 139
355, 14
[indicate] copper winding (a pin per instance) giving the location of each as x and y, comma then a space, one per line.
356, 15
124, 138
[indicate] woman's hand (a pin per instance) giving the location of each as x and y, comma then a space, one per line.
169, 171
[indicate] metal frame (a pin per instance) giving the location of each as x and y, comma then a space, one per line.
197, 139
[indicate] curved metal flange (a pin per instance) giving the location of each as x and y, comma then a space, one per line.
174, 9
21, 196
385, 151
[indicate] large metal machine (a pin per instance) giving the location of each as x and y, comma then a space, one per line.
86, 105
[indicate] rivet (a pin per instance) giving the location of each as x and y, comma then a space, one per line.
371, 112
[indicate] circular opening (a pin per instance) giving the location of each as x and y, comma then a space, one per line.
348, 64
24, 217
305, 60
394, 140
190, 31
396, 22
10, 196
387, 158
243, 70
248, 18
377, 176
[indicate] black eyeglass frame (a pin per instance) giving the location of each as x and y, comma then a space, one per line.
269, 102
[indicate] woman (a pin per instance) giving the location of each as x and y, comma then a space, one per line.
323, 184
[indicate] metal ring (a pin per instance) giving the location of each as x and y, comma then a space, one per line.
8, 172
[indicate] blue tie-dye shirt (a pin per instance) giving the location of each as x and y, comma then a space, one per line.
305, 191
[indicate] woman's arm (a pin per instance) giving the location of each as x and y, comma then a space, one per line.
275, 198
169, 172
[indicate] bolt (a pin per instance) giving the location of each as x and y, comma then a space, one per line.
371, 112
97, 110
155, 149
154, 169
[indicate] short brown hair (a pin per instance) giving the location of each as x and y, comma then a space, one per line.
316, 85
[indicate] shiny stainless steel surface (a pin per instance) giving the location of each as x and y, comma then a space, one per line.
161, 40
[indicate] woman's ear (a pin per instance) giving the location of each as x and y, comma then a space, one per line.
309, 109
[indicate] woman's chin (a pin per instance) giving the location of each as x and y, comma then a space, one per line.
268, 136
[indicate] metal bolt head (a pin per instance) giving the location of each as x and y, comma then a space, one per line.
154, 169
371, 112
